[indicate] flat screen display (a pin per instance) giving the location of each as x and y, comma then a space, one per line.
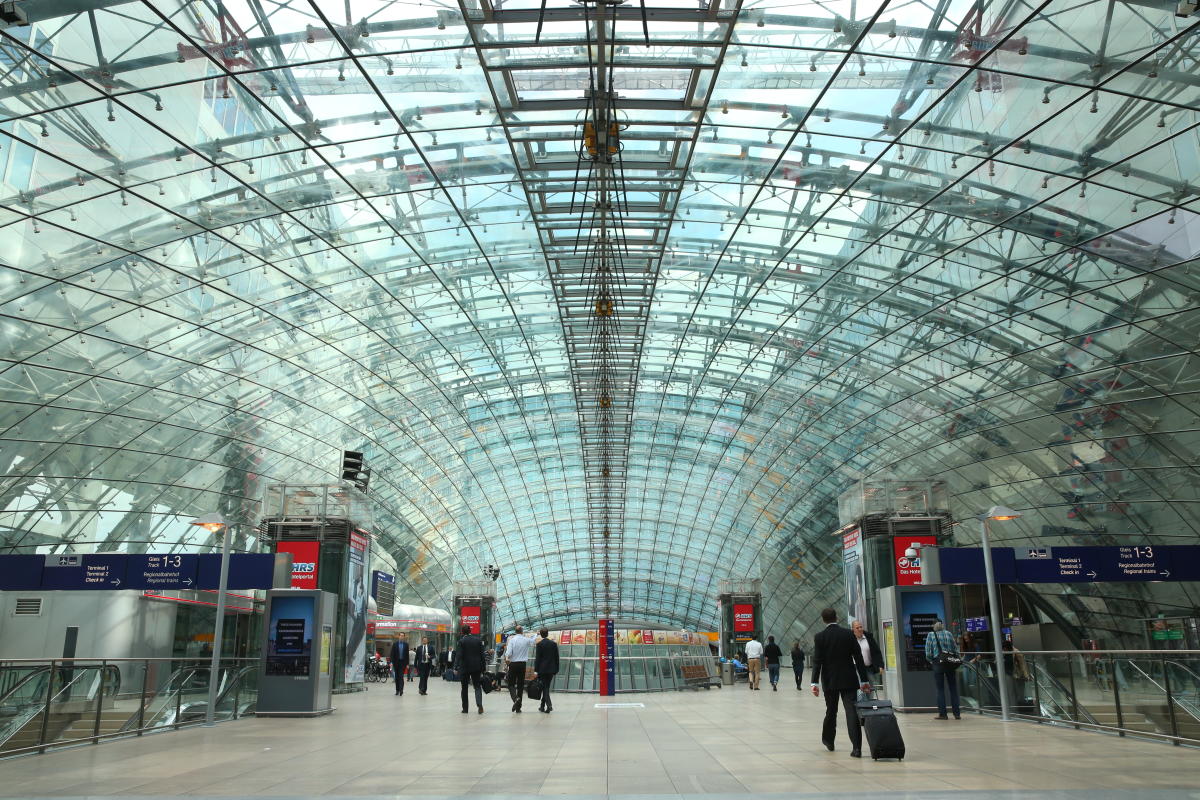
290, 636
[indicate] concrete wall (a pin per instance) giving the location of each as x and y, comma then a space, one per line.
111, 625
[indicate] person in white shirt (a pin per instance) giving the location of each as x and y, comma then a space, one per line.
516, 654
872, 656
754, 651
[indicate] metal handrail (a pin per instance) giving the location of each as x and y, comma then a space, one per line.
1077, 710
1191, 712
1108, 652
23, 681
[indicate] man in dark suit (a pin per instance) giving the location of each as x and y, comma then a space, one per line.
545, 667
424, 662
469, 663
838, 667
399, 659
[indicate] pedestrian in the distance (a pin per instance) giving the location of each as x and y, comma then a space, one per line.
754, 651
399, 658
424, 661
773, 655
545, 667
798, 663
516, 654
468, 663
838, 667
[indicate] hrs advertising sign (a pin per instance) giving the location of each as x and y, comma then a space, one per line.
469, 617
908, 569
305, 557
743, 617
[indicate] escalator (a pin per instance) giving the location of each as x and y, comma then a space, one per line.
59, 703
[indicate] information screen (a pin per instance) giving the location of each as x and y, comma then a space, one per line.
920, 611
289, 648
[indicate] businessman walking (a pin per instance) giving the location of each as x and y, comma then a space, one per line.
400, 661
838, 667
425, 657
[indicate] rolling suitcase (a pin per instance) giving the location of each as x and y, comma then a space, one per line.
880, 727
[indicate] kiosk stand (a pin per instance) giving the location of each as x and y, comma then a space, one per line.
294, 678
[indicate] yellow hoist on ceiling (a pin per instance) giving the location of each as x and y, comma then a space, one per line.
592, 145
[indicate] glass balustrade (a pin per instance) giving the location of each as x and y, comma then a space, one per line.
46, 704
1144, 693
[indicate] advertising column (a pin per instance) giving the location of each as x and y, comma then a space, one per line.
608, 683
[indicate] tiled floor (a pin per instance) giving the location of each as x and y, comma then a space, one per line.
730, 742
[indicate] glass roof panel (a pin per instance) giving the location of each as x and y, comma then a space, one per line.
618, 303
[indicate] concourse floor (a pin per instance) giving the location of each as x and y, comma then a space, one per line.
730, 742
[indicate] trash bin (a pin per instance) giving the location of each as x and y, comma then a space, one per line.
727, 673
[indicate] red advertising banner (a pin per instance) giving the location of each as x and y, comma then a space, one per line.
469, 617
564, 637
607, 640
743, 617
305, 557
359, 539
647, 637
908, 570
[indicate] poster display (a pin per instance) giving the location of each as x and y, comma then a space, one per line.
355, 664
326, 642
648, 637
468, 617
743, 617
305, 557
908, 570
289, 636
635, 637
852, 574
889, 645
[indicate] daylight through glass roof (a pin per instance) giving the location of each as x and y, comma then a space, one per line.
619, 297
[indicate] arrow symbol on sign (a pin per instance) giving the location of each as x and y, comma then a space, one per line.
116, 581
1092, 574
188, 582
1166, 573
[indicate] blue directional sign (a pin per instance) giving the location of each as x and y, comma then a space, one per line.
88, 571
1123, 563
172, 571
139, 571
21, 573
246, 571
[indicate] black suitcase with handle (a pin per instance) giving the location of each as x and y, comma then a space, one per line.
880, 727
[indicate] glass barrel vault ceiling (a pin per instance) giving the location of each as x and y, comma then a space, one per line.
924, 239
